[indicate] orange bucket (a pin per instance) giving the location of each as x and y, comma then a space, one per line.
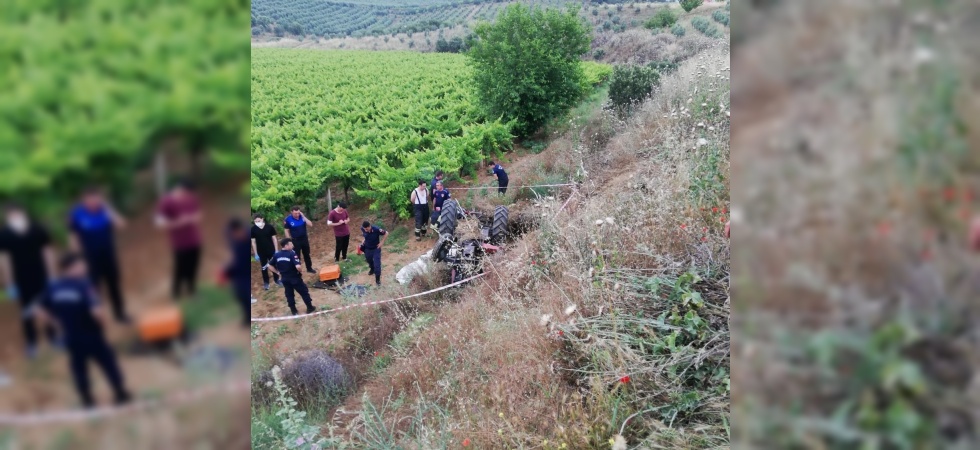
330, 273
161, 324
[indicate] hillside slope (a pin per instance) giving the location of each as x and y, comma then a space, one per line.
607, 321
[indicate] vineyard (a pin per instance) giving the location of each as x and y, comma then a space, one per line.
368, 122
92, 88
331, 19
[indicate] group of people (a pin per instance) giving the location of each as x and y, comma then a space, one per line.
282, 256
285, 257
59, 296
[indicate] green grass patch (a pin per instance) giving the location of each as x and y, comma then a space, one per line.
397, 241
404, 341
211, 306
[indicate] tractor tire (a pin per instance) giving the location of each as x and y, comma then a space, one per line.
448, 218
498, 229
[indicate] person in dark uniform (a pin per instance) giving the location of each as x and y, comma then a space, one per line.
28, 261
70, 303
435, 180
286, 264
264, 245
501, 175
439, 196
374, 239
92, 224
420, 204
239, 271
295, 225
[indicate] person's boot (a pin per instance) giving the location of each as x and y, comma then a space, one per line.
279, 283
310, 270
293, 311
123, 397
88, 402
310, 308
266, 286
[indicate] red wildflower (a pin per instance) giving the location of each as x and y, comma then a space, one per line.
560, 332
949, 193
723, 219
714, 209
705, 229
625, 380
466, 442
724, 210
704, 239
375, 353
683, 226
532, 263
884, 228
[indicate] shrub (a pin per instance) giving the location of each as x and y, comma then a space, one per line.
616, 20
526, 65
663, 18
595, 12
606, 25
690, 5
664, 67
705, 26
630, 85
315, 378
678, 30
599, 53
720, 17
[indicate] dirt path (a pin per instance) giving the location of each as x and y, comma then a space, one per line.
44, 384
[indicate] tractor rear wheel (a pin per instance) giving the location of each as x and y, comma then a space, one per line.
448, 217
498, 229
441, 248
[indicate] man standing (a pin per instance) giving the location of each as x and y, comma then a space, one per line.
435, 180
501, 175
70, 303
286, 263
420, 201
439, 196
238, 271
92, 224
180, 214
264, 246
374, 239
295, 225
338, 219
27, 262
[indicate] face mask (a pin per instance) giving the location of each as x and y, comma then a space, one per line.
260, 224
17, 223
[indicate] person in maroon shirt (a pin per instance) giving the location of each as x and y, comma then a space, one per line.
337, 219
179, 212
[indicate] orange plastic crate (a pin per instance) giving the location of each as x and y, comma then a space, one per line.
161, 324
330, 273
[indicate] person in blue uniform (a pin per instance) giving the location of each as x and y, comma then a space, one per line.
501, 175
439, 196
238, 271
295, 225
71, 305
436, 179
286, 263
93, 224
374, 239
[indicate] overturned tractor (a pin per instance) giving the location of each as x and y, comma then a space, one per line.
466, 237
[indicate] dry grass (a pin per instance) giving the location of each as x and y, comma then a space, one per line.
493, 370
857, 315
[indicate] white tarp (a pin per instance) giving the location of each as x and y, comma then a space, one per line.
417, 267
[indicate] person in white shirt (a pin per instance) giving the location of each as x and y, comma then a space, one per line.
420, 202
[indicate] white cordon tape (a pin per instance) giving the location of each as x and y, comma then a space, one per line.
109, 411
508, 187
358, 305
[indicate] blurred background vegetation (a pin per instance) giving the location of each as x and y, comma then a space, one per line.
109, 91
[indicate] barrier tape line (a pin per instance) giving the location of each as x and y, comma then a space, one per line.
508, 187
108, 411
358, 305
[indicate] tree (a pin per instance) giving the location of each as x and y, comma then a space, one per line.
630, 85
527, 64
689, 5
